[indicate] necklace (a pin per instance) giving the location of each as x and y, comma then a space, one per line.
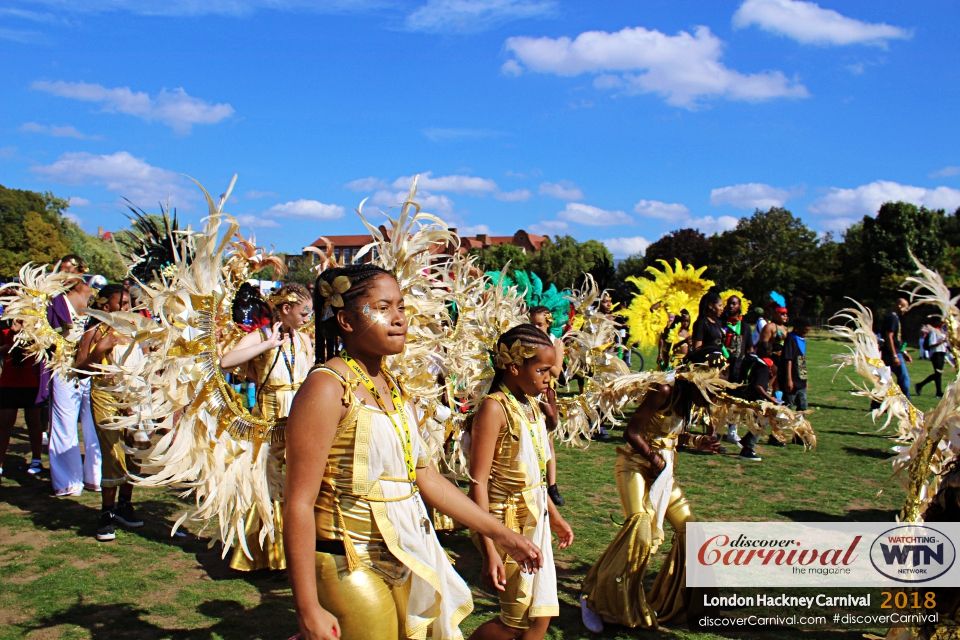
538, 446
292, 362
401, 427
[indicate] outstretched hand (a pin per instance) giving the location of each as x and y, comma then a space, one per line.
526, 554
709, 443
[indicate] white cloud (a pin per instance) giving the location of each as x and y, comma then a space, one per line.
431, 203
753, 195
866, 199
64, 131
256, 195
23, 36
366, 184
661, 210
250, 220
592, 216
472, 230
946, 172
235, 8
518, 195
808, 23
452, 183
74, 218
563, 190
682, 68
547, 227
710, 225
467, 16
8, 152
121, 173
78, 202
174, 108
306, 209
626, 247
438, 134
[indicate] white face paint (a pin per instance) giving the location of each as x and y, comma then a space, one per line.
376, 317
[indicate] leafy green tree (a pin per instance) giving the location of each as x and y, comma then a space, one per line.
689, 246
771, 250
29, 231
897, 229
634, 265
302, 271
564, 260
496, 257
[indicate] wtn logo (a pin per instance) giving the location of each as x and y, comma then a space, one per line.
922, 553
912, 553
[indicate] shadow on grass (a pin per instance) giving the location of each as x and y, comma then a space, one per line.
126, 620
879, 454
817, 405
852, 515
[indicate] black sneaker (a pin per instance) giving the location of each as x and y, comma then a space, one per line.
105, 530
773, 442
917, 388
749, 455
555, 496
603, 436
125, 515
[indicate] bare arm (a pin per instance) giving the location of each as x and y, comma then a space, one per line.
251, 346
483, 442
557, 367
84, 362
767, 332
789, 375
639, 421
316, 411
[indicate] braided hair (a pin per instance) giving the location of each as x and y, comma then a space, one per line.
362, 277
537, 310
528, 335
283, 295
103, 298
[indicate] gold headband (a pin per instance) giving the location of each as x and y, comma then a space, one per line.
332, 292
514, 355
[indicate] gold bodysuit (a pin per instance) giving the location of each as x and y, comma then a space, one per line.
278, 372
614, 586
392, 579
517, 493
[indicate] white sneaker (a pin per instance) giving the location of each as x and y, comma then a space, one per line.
732, 436
45, 441
591, 619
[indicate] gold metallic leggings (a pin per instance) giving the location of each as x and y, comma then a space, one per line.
366, 605
632, 486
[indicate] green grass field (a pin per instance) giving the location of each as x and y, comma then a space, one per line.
57, 581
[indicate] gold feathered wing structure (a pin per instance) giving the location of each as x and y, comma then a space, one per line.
28, 305
592, 354
926, 442
204, 440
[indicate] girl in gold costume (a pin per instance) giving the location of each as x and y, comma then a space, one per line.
508, 462
363, 559
613, 589
278, 360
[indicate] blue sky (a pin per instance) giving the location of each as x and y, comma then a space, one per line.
618, 121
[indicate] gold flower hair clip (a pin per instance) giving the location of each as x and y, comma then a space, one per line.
332, 292
290, 298
514, 355
101, 302
548, 317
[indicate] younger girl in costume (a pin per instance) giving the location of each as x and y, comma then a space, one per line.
508, 462
613, 589
362, 556
278, 359
101, 345
542, 319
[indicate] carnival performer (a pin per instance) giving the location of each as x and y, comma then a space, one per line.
278, 359
674, 341
508, 463
708, 330
101, 345
542, 319
613, 589
70, 396
362, 557
775, 332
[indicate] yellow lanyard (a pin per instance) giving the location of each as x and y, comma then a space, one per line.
537, 445
403, 428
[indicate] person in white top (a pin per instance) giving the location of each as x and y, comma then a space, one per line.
936, 344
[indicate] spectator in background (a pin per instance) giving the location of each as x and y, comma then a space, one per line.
922, 349
793, 369
936, 344
757, 372
737, 338
760, 323
892, 349
18, 390
707, 330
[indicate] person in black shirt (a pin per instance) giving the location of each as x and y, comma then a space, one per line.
707, 331
892, 349
756, 378
793, 365
737, 338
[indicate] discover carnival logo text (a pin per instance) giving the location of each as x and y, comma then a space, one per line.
781, 554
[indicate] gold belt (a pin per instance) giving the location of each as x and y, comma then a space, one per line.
281, 387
